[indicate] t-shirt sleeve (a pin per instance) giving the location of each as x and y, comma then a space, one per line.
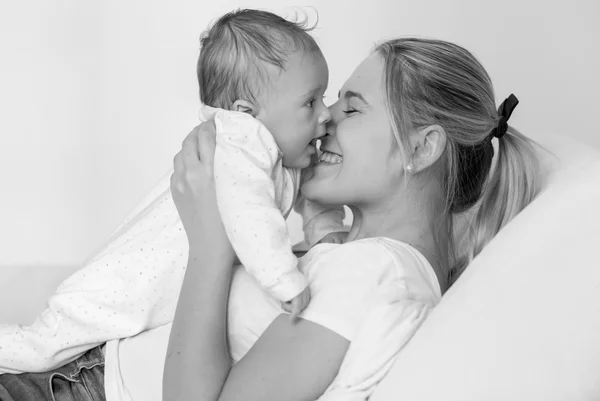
342, 280
377, 299
393, 318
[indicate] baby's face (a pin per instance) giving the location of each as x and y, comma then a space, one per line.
294, 111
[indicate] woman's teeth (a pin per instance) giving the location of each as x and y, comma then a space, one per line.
331, 158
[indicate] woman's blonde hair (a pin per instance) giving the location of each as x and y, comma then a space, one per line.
431, 82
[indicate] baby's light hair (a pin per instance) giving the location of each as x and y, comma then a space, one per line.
431, 82
240, 50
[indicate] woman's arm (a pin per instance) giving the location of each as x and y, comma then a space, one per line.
290, 361
197, 362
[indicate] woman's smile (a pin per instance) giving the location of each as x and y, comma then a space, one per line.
330, 158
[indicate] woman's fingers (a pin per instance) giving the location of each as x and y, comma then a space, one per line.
178, 162
206, 135
198, 147
186, 164
189, 149
178, 171
195, 157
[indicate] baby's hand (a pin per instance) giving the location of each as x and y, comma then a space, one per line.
338, 237
297, 304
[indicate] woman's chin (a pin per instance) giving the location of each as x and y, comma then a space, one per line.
321, 182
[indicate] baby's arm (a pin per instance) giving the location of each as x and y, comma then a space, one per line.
320, 223
245, 157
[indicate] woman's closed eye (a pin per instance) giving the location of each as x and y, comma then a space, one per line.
349, 111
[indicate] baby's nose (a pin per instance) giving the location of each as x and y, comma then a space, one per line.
325, 117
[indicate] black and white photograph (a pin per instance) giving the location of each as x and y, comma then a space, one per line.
299, 201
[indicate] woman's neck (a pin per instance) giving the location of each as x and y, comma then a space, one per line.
405, 227
417, 220
402, 217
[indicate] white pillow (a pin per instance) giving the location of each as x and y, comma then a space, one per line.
523, 322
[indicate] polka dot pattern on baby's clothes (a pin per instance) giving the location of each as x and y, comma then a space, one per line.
132, 285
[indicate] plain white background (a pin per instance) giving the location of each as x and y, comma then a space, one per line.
96, 96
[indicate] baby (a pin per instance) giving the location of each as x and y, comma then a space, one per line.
262, 80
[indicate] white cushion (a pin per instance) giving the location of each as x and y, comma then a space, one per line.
523, 322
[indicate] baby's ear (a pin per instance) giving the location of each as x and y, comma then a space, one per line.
244, 106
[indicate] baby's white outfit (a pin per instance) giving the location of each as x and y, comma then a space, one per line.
255, 194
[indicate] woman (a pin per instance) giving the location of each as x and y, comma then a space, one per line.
413, 128
412, 131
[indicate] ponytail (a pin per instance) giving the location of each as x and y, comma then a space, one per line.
435, 82
512, 184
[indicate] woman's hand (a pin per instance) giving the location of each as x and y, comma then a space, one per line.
193, 189
199, 333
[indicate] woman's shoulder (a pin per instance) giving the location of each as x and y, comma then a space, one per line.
353, 254
374, 260
375, 250
348, 281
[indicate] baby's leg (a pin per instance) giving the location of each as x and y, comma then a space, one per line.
130, 286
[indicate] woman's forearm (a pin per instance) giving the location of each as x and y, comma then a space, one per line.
198, 362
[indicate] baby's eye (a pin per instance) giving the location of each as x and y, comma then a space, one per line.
311, 103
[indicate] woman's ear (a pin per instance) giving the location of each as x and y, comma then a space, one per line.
428, 146
244, 106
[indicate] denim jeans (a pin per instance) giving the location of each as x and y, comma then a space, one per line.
80, 380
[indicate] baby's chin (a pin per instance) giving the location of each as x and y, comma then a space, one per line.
303, 162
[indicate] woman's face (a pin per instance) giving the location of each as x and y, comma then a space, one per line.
357, 165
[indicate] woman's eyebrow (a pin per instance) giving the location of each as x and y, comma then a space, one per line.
350, 94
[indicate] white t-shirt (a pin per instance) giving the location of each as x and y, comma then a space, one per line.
374, 292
